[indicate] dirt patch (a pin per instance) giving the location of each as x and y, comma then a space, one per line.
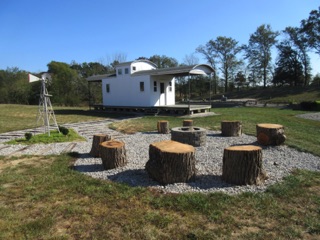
33, 161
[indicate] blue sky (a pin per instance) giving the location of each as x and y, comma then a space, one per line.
36, 32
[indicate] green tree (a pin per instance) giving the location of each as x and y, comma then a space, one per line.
164, 61
289, 68
14, 86
210, 57
66, 84
225, 50
258, 51
300, 44
311, 27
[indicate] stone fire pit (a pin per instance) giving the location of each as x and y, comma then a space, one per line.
194, 136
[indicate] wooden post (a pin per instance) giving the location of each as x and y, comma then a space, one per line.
242, 165
171, 162
187, 123
113, 154
270, 134
97, 139
231, 128
163, 126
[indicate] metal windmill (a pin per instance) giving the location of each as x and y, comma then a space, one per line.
45, 111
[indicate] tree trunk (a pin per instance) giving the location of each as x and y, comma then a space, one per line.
231, 128
163, 126
171, 162
270, 134
187, 123
97, 139
113, 154
242, 165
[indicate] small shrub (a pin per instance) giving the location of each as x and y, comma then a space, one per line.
28, 135
309, 106
64, 130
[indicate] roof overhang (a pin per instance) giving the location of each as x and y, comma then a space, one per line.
200, 69
98, 78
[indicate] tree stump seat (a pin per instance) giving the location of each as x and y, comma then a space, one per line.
171, 162
187, 123
242, 165
113, 154
97, 139
270, 134
163, 126
231, 128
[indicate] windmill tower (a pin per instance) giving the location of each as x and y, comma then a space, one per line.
45, 111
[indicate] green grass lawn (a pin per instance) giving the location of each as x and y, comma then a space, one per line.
42, 197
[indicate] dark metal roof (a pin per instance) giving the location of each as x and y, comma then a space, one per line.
98, 78
199, 69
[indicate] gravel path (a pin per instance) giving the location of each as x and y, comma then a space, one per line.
312, 116
278, 161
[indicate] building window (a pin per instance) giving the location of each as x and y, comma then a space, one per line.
119, 71
141, 86
108, 88
134, 68
170, 86
126, 70
155, 86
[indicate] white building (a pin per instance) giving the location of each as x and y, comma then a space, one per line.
141, 84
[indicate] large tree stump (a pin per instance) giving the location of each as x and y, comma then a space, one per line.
113, 154
163, 126
231, 128
97, 139
242, 165
171, 162
187, 123
270, 134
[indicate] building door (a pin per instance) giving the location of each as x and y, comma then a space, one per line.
162, 94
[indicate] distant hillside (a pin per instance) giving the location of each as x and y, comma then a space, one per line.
277, 94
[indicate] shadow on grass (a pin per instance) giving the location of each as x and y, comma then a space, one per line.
91, 113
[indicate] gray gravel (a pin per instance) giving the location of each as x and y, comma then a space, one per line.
278, 161
312, 116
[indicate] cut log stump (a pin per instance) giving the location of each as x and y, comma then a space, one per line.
163, 126
270, 134
113, 154
242, 165
97, 139
187, 123
171, 162
231, 128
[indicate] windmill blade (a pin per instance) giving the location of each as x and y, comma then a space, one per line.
46, 77
33, 78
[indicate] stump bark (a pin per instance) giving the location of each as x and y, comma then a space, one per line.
270, 134
113, 154
163, 126
242, 165
171, 162
97, 139
231, 128
187, 123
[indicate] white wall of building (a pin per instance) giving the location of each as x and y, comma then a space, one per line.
125, 90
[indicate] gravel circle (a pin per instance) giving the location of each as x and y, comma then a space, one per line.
278, 161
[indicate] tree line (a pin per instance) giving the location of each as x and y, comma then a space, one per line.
236, 66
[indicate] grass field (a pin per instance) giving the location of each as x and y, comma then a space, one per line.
42, 197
